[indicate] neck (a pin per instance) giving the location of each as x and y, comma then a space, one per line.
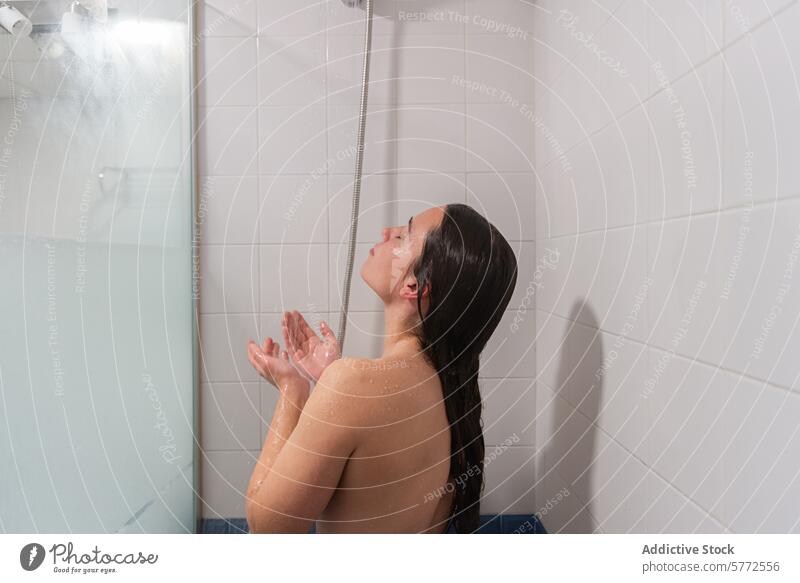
398, 338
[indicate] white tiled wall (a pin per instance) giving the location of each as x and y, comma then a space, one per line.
278, 96
668, 397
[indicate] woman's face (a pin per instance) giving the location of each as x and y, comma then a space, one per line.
399, 246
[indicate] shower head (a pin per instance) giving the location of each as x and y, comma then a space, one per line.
84, 36
14, 22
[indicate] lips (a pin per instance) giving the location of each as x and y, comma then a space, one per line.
372, 251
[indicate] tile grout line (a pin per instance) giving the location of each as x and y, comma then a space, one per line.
693, 68
647, 467
259, 209
700, 361
662, 220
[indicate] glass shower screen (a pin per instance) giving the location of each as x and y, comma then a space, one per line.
97, 334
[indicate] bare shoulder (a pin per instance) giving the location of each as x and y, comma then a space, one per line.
347, 369
361, 376
332, 412
353, 388
343, 379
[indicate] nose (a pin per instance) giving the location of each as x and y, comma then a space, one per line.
385, 234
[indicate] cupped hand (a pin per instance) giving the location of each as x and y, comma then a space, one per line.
310, 353
273, 364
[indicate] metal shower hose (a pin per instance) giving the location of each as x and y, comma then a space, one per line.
362, 119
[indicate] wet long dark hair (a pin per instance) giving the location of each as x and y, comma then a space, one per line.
471, 272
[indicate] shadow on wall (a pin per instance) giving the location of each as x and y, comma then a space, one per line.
570, 448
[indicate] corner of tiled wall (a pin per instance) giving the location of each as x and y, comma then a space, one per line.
668, 195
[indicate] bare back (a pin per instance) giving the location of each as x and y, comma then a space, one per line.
396, 478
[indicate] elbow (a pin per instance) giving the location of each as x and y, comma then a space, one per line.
260, 520
254, 525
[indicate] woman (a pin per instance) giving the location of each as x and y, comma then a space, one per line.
393, 444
